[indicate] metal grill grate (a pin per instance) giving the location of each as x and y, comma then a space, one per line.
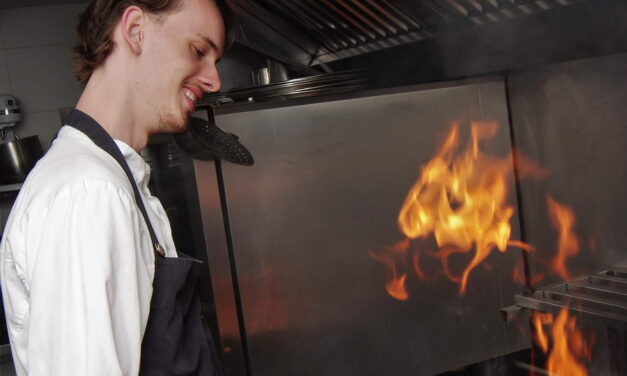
602, 294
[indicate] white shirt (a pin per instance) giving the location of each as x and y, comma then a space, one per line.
76, 262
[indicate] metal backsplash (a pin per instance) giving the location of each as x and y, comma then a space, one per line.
570, 118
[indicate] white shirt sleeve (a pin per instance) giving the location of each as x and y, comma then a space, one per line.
87, 282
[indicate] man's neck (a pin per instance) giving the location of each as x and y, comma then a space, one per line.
115, 109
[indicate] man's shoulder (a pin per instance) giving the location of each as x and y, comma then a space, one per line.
74, 159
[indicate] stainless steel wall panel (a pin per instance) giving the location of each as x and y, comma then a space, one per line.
571, 119
326, 188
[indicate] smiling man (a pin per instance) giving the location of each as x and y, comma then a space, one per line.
91, 279
158, 66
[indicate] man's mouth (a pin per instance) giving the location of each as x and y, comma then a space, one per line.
190, 98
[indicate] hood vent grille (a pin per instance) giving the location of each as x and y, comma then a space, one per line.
344, 28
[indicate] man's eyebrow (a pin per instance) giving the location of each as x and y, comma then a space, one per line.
211, 43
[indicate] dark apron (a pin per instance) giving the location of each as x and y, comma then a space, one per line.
175, 342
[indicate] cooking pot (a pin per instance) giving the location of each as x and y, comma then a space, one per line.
17, 158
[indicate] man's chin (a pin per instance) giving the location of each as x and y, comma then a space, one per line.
182, 126
175, 126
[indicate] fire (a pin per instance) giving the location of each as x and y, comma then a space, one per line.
394, 257
461, 200
563, 219
569, 349
416, 264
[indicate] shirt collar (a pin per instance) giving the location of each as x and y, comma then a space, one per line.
139, 168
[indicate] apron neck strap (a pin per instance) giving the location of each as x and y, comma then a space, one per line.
101, 138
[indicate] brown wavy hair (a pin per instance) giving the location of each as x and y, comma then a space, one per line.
96, 25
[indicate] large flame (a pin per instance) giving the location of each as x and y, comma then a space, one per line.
569, 350
563, 219
461, 200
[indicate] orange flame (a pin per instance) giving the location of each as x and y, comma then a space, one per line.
416, 264
461, 201
563, 219
569, 351
396, 287
393, 257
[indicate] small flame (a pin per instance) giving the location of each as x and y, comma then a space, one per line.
569, 350
461, 201
539, 320
394, 258
416, 265
563, 219
396, 287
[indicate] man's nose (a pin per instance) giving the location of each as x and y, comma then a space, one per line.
210, 78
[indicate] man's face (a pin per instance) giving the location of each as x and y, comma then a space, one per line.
178, 62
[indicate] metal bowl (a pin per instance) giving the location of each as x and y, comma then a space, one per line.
17, 158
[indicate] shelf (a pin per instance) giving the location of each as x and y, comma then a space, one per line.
10, 187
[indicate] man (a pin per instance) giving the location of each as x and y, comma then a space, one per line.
77, 263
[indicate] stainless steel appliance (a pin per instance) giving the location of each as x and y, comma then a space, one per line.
17, 158
288, 239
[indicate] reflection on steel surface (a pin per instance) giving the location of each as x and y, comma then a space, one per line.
563, 219
326, 186
460, 199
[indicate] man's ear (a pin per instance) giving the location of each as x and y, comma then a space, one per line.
132, 24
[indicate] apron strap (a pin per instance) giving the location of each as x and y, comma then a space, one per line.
100, 137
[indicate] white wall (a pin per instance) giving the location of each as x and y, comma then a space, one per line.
36, 65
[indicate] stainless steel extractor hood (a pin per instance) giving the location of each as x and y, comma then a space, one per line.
314, 32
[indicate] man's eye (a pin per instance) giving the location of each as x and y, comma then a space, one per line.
199, 53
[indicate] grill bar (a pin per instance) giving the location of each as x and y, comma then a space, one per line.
351, 20
334, 23
362, 18
386, 13
327, 41
603, 294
